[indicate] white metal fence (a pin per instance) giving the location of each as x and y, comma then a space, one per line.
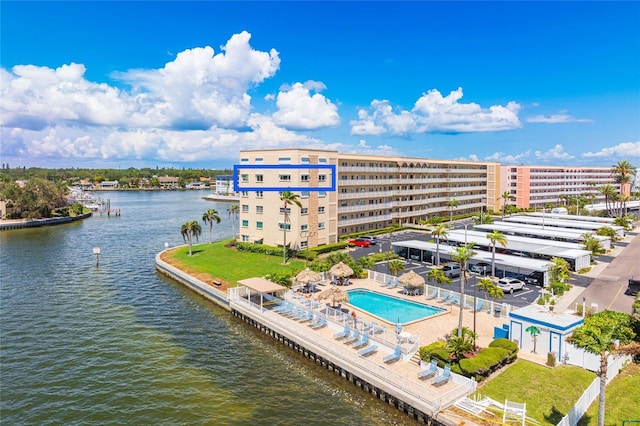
615, 363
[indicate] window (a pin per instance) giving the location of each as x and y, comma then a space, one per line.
304, 159
245, 238
259, 178
304, 210
258, 225
259, 194
284, 178
321, 209
244, 160
285, 211
284, 226
322, 193
304, 178
245, 208
245, 223
322, 160
304, 227
282, 159
322, 178
304, 194
320, 225
258, 159
303, 244
259, 209
245, 194
244, 177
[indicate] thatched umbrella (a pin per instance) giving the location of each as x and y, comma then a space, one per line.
308, 276
334, 294
411, 279
341, 270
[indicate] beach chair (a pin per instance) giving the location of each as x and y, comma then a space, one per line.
287, 310
344, 333
468, 306
354, 337
307, 316
453, 300
429, 372
322, 322
393, 283
478, 306
362, 342
444, 297
368, 350
396, 355
416, 292
442, 378
405, 290
433, 294
386, 282
282, 307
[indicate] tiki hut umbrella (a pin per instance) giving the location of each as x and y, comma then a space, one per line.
411, 279
308, 276
341, 270
334, 294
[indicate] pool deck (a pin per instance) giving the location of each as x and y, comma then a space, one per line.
400, 377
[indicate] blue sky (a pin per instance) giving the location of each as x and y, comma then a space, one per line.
189, 84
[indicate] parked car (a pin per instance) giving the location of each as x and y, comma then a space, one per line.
535, 278
372, 240
509, 285
360, 242
481, 268
451, 270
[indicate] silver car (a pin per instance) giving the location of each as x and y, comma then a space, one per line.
509, 285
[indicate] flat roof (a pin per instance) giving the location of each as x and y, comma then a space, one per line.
261, 285
558, 223
480, 256
538, 230
580, 218
541, 315
523, 244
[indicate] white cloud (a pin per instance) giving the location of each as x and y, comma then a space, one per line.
298, 109
625, 149
197, 90
555, 153
501, 157
435, 113
562, 117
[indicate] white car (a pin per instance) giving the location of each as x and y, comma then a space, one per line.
509, 285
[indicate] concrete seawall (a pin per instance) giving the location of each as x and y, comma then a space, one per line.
36, 223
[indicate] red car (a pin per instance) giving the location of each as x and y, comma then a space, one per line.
360, 242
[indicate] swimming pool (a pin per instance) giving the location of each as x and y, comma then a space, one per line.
390, 308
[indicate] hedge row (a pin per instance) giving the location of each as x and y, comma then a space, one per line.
499, 353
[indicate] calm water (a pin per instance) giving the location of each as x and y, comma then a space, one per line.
121, 344
390, 308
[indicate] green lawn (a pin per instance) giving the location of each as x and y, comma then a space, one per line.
228, 264
548, 393
621, 401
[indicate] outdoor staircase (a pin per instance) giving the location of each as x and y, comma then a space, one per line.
415, 359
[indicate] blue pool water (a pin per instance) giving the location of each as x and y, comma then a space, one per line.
390, 308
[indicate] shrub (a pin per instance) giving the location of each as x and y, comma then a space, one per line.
327, 248
506, 344
264, 249
584, 270
485, 362
437, 350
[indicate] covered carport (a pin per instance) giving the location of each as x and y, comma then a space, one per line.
259, 291
417, 250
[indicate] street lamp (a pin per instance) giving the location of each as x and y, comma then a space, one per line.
475, 303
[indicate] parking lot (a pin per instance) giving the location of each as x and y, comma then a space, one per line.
518, 299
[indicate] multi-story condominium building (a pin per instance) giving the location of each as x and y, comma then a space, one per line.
535, 186
371, 192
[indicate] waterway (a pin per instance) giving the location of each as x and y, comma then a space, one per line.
121, 344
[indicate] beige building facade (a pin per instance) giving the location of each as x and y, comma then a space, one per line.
371, 192
535, 186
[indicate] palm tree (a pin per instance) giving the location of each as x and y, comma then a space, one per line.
609, 192
438, 232
453, 204
496, 237
593, 245
605, 333
622, 172
288, 198
234, 212
437, 275
461, 257
506, 196
366, 262
189, 231
395, 267
209, 217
